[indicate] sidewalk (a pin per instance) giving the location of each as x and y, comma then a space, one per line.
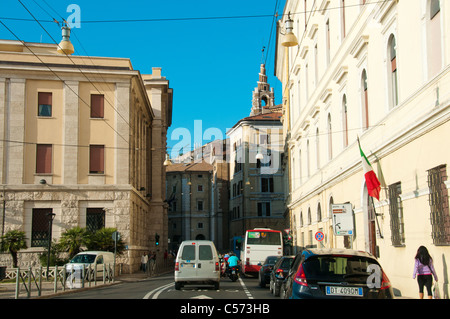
8, 290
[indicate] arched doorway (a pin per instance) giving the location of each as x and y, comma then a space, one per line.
200, 237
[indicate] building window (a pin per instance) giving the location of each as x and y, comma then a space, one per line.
393, 71
267, 185
95, 219
434, 35
365, 100
43, 159
40, 227
345, 120
439, 205
396, 212
319, 213
264, 209
330, 139
97, 105
199, 188
44, 104
97, 159
200, 205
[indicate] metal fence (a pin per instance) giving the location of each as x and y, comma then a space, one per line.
65, 277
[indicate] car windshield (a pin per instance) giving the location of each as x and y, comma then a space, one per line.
83, 259
271, 260
286, 263
332, 267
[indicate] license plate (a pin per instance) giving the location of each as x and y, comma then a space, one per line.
188, 265
344, 291
233, 272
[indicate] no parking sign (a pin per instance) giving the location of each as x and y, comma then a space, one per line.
319, 236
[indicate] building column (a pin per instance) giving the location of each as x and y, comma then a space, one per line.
16, 114
70, 133
122, 106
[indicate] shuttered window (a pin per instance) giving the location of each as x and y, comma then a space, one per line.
97, 105
43, 159
40, 227
96, 159
439, 205
44, 104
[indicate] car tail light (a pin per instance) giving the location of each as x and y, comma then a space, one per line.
385, 282
300, 277
217, 266
177, 266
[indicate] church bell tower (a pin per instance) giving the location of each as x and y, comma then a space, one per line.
263, 96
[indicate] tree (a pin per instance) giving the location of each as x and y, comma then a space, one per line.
102, 240
72, 240
13, 241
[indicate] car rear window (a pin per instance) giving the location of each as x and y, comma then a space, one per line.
334, 267
188, 252
205, 252
286, 263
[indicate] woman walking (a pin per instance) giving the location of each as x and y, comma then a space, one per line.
424, 270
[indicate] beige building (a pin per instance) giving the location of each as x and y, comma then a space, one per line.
378, 71
82, 138
256, 176
197, 191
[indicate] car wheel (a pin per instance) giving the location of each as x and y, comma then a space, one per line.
262, 284
276, 290
216, 285
178, 285
270, 286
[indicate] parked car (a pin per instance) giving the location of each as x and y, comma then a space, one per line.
197, 262
279, 273
266, 268
336, 273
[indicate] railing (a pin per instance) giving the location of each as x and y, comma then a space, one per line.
70, 277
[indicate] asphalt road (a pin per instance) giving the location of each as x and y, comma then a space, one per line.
162, 287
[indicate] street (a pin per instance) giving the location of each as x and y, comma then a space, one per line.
163, 287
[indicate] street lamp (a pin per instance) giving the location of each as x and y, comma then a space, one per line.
290, 40
50, 217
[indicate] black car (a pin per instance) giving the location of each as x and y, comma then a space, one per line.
279, 273
336, 273
266, 268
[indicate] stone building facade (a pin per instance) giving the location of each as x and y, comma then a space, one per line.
84, 141
377, 72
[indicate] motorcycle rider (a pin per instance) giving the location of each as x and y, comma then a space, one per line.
233, 261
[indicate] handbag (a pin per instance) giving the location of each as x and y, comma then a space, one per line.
436, 294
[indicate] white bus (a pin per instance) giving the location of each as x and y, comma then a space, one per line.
259, 243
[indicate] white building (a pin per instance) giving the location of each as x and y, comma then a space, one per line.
378, 71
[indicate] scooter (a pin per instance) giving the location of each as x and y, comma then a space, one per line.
234, 273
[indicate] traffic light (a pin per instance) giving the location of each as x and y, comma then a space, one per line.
157, 239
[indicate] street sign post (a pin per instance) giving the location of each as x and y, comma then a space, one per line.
343, 224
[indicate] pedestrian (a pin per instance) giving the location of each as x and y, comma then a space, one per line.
144, 260
152, 260
165, 258
424, 270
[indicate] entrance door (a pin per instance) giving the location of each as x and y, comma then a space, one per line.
372, 226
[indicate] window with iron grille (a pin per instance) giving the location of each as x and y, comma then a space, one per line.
95, 219
40, 227
438, 200
396, 212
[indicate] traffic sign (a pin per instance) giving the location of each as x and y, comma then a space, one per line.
319, 236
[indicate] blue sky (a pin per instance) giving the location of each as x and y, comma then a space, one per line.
212, 64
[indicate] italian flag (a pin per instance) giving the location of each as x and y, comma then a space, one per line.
372, 182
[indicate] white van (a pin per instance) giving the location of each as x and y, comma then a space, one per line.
94, 259
197, 262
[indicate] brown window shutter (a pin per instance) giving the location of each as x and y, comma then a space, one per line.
44, 159
97, 159
97, 105
44, 98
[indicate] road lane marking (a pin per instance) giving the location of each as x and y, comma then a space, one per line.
157, 291
247, 292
